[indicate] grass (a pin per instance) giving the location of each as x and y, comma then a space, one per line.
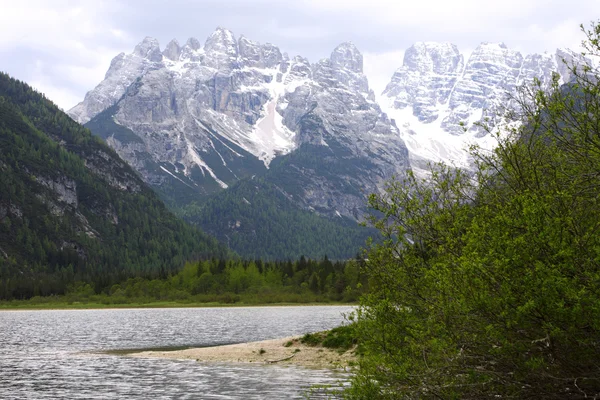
341, 338
64, 305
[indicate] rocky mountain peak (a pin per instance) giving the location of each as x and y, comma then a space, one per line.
172, 51
253, 54
221, 49
191, 50
347, 56
232, 107
193, 43
494, 54
429, 72
149, 49
433, 57
271, 55
541, 66
439, 102
249, 49
299, 69
117, 63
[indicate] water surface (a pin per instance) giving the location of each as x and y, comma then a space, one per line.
56, 354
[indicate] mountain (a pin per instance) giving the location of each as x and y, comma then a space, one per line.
71, 209
195, 119
202, 123
438, 99
255, 218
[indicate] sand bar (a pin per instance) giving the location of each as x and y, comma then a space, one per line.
284, 351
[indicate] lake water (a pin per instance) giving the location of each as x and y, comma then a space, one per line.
57, 354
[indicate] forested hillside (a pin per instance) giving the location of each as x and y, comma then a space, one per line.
72, 210
257, 220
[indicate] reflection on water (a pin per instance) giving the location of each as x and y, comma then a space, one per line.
54, 354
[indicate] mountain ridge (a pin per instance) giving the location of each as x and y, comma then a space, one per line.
194, 114
72, 210
197, 119
440, 101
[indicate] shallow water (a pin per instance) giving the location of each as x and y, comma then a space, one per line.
56, 354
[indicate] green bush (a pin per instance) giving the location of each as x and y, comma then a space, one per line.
487, 285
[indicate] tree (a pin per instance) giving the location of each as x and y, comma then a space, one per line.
488, 284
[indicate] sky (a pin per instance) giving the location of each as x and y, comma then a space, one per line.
63, 48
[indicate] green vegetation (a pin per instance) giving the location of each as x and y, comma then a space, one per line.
342, 338
104, 125
256, 220
221, 282
488, 286
71, 210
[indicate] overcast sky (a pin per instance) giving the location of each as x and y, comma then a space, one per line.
64, 47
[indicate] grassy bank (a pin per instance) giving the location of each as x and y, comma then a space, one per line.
62, 303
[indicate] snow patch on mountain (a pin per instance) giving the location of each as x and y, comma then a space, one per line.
227, 108
203, 166
440, 103
428, 142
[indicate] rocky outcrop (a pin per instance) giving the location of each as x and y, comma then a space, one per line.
63, 189
202, 117
123, 71
440, 104
426, 79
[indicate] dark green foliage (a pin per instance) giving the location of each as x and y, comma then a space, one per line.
488, 286
226, 282
341, 338
71, 210
311, 339
104, 125
257, 220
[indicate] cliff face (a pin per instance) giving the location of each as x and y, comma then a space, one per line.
194, 120
438, 100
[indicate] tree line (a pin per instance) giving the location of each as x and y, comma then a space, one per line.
228, 281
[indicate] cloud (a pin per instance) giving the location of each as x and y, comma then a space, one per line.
61, 48
65, 46
566, 34
379, 68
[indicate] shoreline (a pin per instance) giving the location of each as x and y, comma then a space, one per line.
282, 352
55, 307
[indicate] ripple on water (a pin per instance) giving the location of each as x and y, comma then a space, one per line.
54, 354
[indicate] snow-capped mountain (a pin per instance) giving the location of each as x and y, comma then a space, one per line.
436, 98
196, 119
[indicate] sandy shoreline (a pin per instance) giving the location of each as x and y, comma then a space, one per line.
284, 351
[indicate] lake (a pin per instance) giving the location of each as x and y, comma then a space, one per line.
57, 354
